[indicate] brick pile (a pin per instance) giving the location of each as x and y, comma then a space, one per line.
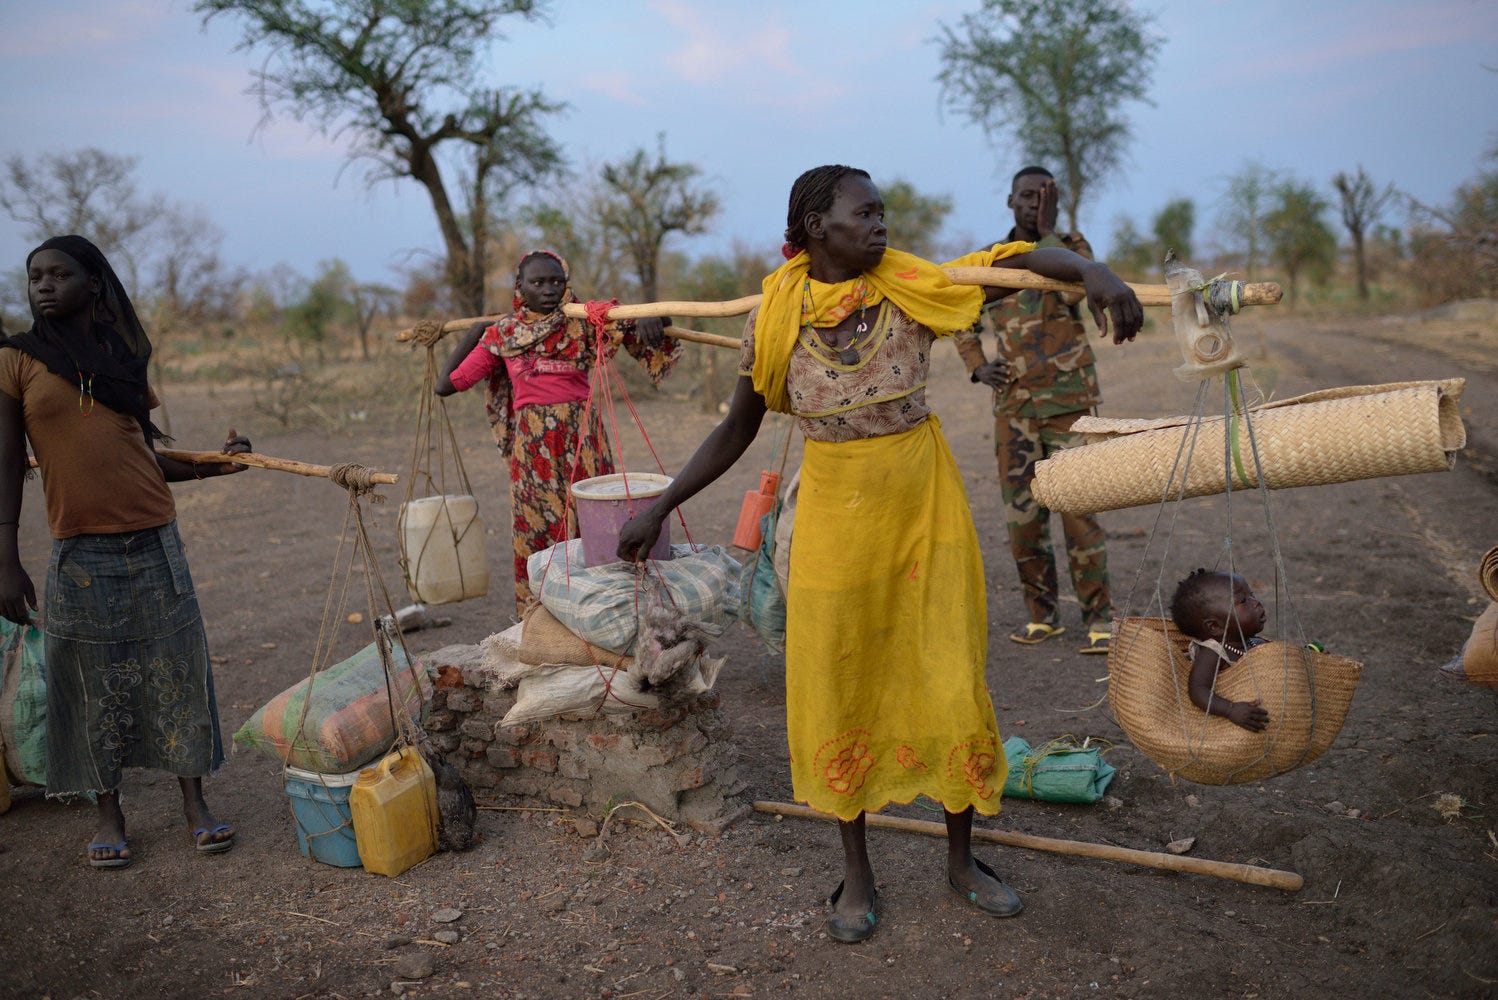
678, 760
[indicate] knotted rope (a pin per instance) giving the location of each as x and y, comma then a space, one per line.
427, 332
357, 479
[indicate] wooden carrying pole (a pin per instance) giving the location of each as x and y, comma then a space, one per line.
1271, 877
259, 462
1254, 294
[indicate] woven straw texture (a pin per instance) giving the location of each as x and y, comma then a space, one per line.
1306, 694
1487, 572
1480, 655
1333, 436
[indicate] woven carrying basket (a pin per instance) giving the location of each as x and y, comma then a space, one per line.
1306, 694
1333, 436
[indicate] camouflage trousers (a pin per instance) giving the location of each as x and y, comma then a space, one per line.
1020, 442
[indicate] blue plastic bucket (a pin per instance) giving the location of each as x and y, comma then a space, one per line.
320, 812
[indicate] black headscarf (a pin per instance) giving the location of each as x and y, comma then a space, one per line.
114, 359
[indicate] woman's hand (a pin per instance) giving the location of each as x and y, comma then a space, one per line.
234, 444
1107, 295
17, 594
638, 536
1249, 715
652, 330
994, 374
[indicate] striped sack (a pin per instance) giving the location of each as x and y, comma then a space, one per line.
349, 721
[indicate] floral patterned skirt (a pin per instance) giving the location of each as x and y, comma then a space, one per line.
886, 632
128, 678
548, 454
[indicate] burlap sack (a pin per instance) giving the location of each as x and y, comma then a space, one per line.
543, 639
1480, 655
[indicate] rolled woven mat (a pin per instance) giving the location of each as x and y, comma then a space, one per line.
1487, 572
1306, 694
1480, 654
1332, 436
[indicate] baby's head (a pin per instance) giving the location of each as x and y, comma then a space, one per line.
1221, 606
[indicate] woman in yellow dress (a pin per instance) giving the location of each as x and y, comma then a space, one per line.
886, 631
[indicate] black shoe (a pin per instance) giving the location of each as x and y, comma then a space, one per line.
997, 900
850, 930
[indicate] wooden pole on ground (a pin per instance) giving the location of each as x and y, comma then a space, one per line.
259, 462
1254, 294
1271, 877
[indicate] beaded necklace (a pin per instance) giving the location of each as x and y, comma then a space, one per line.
848, 353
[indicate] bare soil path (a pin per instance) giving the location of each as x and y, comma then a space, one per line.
1399, 899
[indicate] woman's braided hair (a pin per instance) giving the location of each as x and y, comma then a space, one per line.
813, 191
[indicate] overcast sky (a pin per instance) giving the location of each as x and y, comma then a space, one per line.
753, 93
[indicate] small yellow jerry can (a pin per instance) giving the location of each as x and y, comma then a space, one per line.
394, 805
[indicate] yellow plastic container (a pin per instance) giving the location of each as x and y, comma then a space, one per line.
394, 805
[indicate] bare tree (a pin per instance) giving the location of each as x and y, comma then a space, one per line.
647, 200
88, 192
371, 301
1362, 204
379, 71
1055, 73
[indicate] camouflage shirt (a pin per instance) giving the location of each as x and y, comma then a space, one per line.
1045, 343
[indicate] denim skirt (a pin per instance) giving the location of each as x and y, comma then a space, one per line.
128, 678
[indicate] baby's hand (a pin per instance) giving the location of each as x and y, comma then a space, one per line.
1249, 715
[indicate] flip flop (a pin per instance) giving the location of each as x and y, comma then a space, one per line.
999, 901
114, 862
854, 930
1098, 641
1035, 632
213, 846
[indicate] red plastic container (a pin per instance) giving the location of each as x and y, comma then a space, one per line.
746, 535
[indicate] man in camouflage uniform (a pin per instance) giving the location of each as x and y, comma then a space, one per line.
1043, 381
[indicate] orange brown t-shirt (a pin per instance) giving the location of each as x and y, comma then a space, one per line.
98, 476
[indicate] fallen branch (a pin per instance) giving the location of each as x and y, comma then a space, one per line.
1254, 294
1273, 878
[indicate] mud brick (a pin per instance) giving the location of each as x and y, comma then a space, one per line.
562, 737
540, 760
565, 795
499, 702
441, 721
514, 736
502, 757
477, 729
651, 755
464, 700
572, 766
445, 742
448, 678
479, 776
659, 718
606, 741
691, 777
522, 782
473, 749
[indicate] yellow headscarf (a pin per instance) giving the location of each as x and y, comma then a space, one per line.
919, 288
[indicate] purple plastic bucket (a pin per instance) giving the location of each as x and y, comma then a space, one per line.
602, 509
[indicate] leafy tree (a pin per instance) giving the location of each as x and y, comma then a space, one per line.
1056, 73
88, 192
914, 220
1172, 228
1454, 250
645, 200
1362, 204
1241, 215
1133, 254
397, 77
1298, 237
325, 302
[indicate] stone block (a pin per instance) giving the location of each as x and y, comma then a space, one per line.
464, 700
502, 757
570, 765
471, 749
514, 736
479, 776
477, 729
541, 760
445, 742
440, 721
565, 795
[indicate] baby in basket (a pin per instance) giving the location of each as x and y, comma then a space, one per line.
1223, 618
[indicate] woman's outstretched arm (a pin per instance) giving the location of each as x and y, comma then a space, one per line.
717, 453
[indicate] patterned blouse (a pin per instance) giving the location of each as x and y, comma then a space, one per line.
883, 392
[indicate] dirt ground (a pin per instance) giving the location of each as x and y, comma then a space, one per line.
1399, 899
